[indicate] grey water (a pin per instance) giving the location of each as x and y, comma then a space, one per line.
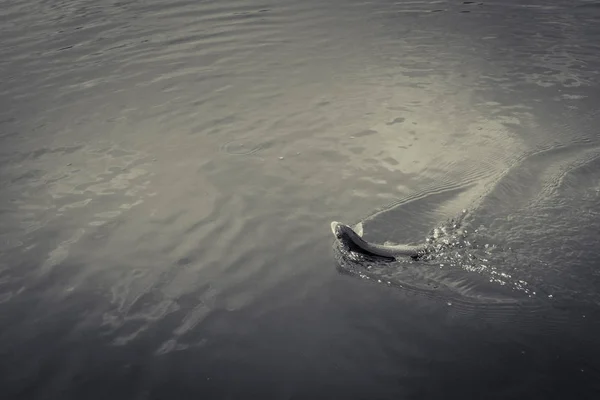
169, 170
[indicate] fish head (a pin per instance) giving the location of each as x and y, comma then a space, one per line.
346, 236
340, 231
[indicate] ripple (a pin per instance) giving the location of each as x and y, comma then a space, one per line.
241, 148
129, 228
482, 248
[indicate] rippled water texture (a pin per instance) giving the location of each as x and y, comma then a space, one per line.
169, 170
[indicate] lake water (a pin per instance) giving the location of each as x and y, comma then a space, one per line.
169, 170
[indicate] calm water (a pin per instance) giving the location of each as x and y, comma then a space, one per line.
169, 169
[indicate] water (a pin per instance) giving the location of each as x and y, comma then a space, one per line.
169, 171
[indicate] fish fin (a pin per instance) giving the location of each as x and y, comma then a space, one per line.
358, 228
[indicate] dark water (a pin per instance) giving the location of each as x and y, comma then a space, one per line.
169, 169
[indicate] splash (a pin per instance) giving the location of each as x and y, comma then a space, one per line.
461, 262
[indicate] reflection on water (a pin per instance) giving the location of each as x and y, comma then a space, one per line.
168, 172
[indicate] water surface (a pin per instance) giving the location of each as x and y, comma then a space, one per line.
169, 170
